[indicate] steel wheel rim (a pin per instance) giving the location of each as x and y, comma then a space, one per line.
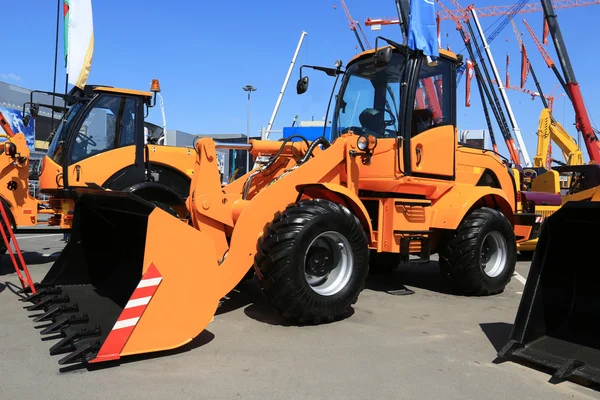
338, 247
494, 254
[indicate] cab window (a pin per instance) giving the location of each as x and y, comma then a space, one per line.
370, 100
434, 105
109, 124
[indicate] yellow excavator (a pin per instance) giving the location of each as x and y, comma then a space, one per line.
550, 129
545, 190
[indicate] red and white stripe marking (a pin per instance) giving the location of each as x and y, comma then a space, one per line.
131, 314
538, 220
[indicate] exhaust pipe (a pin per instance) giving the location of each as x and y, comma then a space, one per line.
556, 325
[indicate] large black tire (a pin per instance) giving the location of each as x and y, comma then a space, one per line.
480, 257
282, 260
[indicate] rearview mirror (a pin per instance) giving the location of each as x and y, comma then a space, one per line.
302, 85
35, 110
383, 56
26, 119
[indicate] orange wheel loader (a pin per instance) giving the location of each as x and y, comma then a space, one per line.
101, 142
392, 179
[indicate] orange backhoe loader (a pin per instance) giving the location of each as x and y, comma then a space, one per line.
101, 142
393, 179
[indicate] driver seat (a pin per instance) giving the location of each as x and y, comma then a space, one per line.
372, 121
422, 120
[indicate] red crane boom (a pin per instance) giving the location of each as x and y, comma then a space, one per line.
490, 11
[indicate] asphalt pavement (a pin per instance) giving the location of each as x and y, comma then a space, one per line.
432, 344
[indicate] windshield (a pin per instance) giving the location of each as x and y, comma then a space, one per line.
55, 150
370, 100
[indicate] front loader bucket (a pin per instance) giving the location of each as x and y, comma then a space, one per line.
557, 324
129, 281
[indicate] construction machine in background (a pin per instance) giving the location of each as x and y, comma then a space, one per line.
394, 179
546, 188
101, 141
556, 324
21, 207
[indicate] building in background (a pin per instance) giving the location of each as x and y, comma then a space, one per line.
308, 129
12, 99
232, 163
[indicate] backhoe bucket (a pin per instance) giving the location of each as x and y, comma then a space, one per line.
129, 281
557, 324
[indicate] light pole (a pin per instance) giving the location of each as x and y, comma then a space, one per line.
249, 89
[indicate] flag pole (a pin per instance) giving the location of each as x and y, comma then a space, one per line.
55, 64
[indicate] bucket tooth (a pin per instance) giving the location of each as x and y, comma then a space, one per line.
46, 301
41, 293
68, 343
56, 310
38, 286
82, 354
567, 369
64, 322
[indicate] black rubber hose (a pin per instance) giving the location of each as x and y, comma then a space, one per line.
272, 161
315, 143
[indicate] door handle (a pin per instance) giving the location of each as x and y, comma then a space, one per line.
77, 172
419, 156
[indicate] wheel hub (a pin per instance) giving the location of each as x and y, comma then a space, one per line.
319, 263
328, 263
494, 254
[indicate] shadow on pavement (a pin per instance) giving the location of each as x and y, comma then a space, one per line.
242, 295
30, 258
202, 339
497, 333
2, 287
423, 276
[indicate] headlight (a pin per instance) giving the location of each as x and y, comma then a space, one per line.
366, 142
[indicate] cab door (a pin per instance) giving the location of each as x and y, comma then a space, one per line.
104, 141
432, 141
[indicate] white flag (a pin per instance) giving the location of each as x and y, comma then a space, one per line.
80, 32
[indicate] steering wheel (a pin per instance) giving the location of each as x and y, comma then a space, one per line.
357, 130
389, 122
86, 138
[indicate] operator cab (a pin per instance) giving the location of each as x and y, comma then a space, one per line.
101, 119
370, 96
407, 102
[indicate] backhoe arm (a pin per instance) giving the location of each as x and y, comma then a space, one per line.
543, 132
550, 129
567, 144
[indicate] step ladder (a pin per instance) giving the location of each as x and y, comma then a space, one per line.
8, 235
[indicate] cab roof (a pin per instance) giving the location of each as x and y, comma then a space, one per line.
123, 91
443, 53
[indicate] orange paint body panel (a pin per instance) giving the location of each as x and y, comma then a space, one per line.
14, 183
99, 168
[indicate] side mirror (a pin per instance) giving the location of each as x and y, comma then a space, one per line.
35, 110
26, 119
383, 56
10, 149
302, 85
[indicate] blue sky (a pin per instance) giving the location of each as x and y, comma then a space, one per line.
203, 52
